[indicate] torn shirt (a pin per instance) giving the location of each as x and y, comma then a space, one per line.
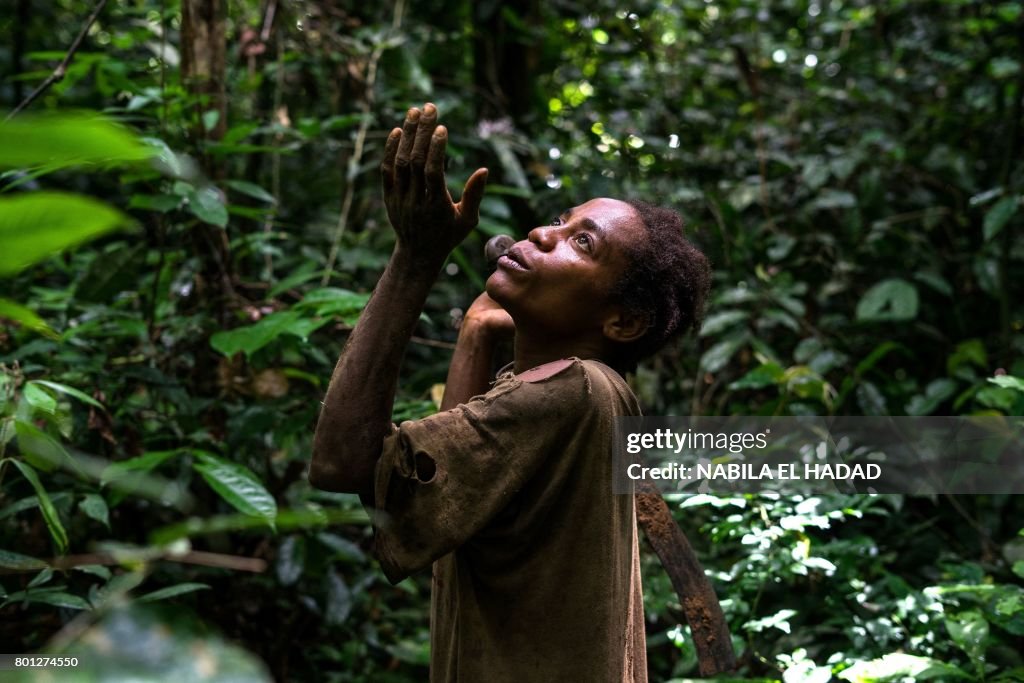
536, 562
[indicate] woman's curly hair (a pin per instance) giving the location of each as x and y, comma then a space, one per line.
667, 281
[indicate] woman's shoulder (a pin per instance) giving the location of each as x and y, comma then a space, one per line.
590, 377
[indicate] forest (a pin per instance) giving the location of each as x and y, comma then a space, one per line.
191, 223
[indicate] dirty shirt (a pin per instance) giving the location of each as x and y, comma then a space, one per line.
536, 574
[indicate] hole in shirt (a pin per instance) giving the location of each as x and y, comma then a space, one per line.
426, 468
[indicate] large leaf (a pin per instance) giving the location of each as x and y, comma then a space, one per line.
39, 399
50, 516
38, 224
57, 598
139, 464
721, 321
40, 449
1008, 382
19, 562
715, 358
252, 190
291, 560
70, 391
893, 299
237, 485
252, 338
339, 600
207, 206
896, 667
998, 216
67, 140
24, 316
111, 272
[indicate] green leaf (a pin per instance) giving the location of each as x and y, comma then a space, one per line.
70, 391
721, 321
112, 272
24, 316
173, 591
834, 199
139, 464
252, 190
762, 376
934, 394
779, 620
94, 506
252, 338
32, 502
998, 216
50, 516
57, 598
39, 399
94, 569
206, 205
334, 301
969, 630
60, 140
897, 666
339, 600
889, 300
119, 586
291, 560
158, 202
40, 449
715, 358
19, 562
41, 578
1008, 382
210, 119
237, 485
36, 225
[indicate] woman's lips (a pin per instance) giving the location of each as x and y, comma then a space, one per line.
513, 260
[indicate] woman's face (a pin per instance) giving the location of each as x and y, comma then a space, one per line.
558, 279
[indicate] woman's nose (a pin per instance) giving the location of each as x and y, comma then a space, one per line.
544, 238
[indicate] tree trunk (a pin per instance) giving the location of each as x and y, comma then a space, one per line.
505, 60
203, 23
203, 67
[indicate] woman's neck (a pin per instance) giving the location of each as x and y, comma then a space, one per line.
532, 350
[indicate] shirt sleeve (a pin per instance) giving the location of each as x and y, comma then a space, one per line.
441, 479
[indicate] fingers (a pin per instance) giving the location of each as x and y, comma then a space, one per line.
472, 195
433, 173
421, 145
387, 166
402, 160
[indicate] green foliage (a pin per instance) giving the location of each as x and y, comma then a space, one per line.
237, 485
851, 168
38, 224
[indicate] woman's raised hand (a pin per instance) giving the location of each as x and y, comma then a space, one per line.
429, 224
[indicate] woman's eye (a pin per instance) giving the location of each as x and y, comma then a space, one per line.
557, 221
583, 239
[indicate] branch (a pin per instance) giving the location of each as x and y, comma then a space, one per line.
357, 152
62, 68
219, 560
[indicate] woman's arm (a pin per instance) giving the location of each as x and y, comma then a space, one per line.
356, 416
484, 326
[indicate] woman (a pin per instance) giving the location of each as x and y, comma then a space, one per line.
508, 489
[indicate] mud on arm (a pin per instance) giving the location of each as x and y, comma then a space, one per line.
356, 415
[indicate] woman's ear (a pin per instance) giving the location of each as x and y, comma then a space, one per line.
624, 327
